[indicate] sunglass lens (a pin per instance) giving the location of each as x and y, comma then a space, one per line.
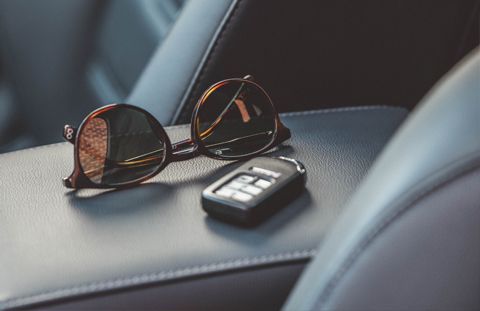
235, 118
120, 146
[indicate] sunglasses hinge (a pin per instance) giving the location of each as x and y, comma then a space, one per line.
69, 133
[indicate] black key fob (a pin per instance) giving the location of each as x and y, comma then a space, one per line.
255, 190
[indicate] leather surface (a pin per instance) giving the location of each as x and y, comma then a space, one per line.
263, 289
58, 243
414, 215
428, 259
171, 70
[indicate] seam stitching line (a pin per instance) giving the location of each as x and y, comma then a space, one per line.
141, 279
342, 109
390, 219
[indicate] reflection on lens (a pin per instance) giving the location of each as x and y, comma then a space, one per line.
235, 119
119, 146
93, 149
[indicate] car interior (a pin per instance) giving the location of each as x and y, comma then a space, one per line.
376, 103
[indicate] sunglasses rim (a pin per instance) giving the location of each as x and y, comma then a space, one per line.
195, 135
81, 180
78, 179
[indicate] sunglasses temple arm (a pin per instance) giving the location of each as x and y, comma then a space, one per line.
209, 131
70, 133
182, 150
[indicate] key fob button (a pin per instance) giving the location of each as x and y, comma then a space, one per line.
235, 185
252, 190
265, 172
262, 183
225, 192
241, 196
246, 179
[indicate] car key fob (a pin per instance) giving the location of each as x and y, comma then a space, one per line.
255, 190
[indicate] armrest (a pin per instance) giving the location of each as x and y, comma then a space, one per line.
59, 244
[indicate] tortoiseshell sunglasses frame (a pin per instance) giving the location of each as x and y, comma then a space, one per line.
180, 151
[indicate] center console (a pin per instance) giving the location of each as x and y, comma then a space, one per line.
153, 246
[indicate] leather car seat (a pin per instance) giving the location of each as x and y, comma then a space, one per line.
321, 54
308, 55
409, 238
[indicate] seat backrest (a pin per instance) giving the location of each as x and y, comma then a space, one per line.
318, 54
307, 54
410, 236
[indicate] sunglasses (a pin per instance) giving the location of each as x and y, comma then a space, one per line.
122, 145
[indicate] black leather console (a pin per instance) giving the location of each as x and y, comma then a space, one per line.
58, 245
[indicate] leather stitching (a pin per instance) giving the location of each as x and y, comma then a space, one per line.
342, 109
160, 276
470, 164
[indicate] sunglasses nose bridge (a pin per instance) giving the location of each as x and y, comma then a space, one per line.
184, 150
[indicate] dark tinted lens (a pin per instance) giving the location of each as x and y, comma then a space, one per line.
236, 118
119, 146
